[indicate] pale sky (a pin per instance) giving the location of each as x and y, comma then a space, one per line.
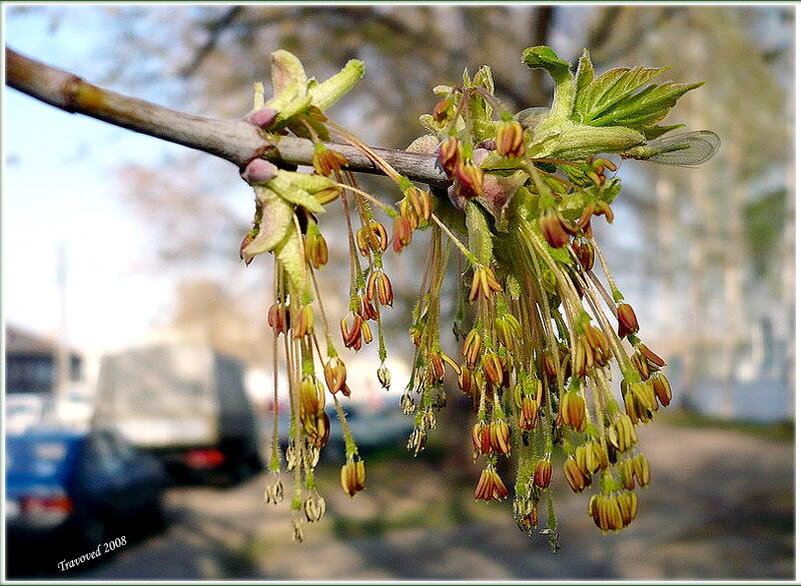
59, 189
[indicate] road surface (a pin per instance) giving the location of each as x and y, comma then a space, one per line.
721, 506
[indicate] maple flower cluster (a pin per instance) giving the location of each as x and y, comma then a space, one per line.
540, 328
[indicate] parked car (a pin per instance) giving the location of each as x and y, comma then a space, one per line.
184, 403
84, 487
373, 429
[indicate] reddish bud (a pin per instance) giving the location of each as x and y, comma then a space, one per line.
471, 180
490, 486
259, 171
449, 156
585, 253
262, 118
662, 388
626, 320
509, 139
542, 473
655, 362
553, 229
401, 234
442, 109
277, 318
335, 374
325, 161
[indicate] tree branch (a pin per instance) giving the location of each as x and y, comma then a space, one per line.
236, 141
216, 29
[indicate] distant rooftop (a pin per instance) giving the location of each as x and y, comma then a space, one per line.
18, 340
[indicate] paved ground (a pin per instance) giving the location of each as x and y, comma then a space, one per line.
721, 506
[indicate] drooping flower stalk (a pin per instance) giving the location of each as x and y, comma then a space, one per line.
537, 343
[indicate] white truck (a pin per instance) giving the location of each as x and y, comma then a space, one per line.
184, 403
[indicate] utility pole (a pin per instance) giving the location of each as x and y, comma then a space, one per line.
63, 353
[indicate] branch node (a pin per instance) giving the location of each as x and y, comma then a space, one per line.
69, 93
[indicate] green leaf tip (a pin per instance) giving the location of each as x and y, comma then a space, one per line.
543, 57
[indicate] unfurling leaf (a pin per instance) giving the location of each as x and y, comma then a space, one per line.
276, 218
478, 233
331, 90
619, 97
610, 88
545, 58
290, 254
285, 184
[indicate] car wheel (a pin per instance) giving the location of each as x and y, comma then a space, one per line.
256, 463
92, 531
154, 514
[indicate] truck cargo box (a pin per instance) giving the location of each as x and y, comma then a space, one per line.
178, 399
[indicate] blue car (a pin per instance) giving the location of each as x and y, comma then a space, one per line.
86, 487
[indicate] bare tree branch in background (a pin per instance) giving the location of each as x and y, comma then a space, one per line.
216, 29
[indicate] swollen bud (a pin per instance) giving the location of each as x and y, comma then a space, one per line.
662, 388
401, 234
572, 410
449, 156
442, 110
335, 374
352, 475
490, 486
471, 180
262, 118
585, 253
325, 161
553, 229
509, 139
542, 473
576, 478
315, 247
626, 320
259, 171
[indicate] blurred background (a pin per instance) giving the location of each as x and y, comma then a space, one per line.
138, 377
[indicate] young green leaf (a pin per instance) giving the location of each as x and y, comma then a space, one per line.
276, 218
286, 188
564, 90
286, 71
478, 233
332, 89
647, 107
584, 74
545, 58
609, 89
653, 132
290, 254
